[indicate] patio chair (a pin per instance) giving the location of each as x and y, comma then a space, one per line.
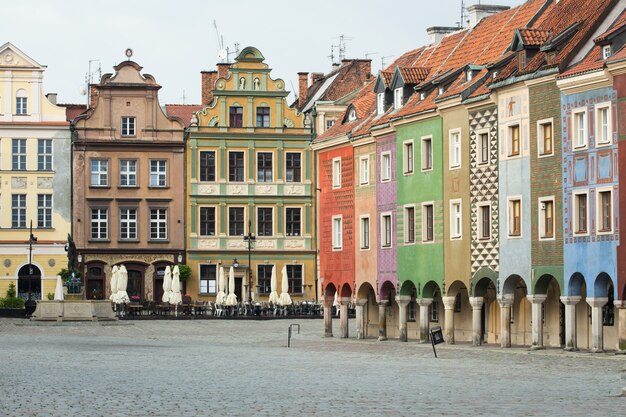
219, 310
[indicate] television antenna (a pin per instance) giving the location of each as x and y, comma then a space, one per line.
90, 76
382, 61
342, 46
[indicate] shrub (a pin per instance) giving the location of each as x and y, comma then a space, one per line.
50, 296
185, 272
11, 301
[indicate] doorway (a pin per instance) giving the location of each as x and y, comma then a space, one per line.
29, 282
238, 284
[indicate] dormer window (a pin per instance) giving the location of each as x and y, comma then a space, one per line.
440, 90
469, 75
422, 96
380, 103
397, 98
352, 115
495, 75
606, 51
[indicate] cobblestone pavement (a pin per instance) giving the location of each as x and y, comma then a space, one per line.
244, 368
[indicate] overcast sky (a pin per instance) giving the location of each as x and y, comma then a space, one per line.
175, 40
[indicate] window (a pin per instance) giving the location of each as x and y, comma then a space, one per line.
128, 223
606, 52
264, 167
19, 154
293, 221
44, 154
330, 123
385, 167
469, 75
128, 126
455, 219
21, 102
580, 213
604, 211
158, 224
207, 165
455, 149
44, 210
427, 153
408, 157
264, 278
336, 172
434, 311
380, 103
337, 232
208, 279
546, 218
440, 90
294, 278
235, 166
99, 172
397, 98
411, 311
428, 223
484, 218
604, 133
409, 224
128, 173
235, 116
99, 223
515, 217
483, 148
262, 117
364, 173
544, 138
365, 232
579, 128
352, 115
513, 139
265, 221
158, 173
293, 162
385, 230
18, 211
207, 221
235, 221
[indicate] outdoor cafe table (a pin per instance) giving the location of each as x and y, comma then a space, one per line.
135, 309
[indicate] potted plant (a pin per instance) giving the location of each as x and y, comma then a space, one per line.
185, 273
12, 306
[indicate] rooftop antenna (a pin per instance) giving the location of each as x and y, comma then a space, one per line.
184, 97
342, 46
382, 61
368, 54
89, 77
332, 54
460, 24
222, 54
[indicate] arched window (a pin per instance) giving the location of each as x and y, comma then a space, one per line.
21, 102
29, 282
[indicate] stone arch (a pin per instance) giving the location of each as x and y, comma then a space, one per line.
408, 288
481, 280
329, 290
431, 289
365, 290
511, 283
544, 282
455, 288
600, 285
29, 282
387, 291
553, 311
346, 291
576, 284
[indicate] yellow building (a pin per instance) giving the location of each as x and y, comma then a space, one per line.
35, 177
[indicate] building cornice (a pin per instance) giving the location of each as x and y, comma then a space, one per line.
329, 143
585, 82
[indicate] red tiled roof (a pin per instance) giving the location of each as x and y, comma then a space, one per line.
73, 110
618, 25
413, 75
534, 37
183, 111
387, 77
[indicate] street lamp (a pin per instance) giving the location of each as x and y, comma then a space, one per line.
249, 238
30, 303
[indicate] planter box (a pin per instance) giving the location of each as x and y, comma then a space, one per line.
13, 312
69, 310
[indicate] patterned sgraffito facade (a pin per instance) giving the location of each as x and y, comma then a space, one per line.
386, 197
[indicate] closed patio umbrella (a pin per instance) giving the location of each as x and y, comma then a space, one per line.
167, 285
58, 290
231, 298
175, 297
284, 299
221, 295
114, 275
122, 282
273, 293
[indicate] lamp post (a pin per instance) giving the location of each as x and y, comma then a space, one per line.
249, 238
30, 303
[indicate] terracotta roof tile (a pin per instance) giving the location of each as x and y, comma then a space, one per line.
183, 111
387, 77
618, 25
534, 37
413, 75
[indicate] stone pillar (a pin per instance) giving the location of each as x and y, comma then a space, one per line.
328, 316
448, 331
537, 323
620, 305
403, 301
382, 320
477, 305
361, 324
597, 337
424, 303
570, 321
506, 302
343, 316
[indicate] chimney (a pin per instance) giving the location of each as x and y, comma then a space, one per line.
222, 70
303, 88
316, 76
94, 93
436, 33
52, 97
478, 11
365, 67
208, 84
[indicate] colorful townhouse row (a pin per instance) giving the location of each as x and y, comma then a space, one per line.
475, 184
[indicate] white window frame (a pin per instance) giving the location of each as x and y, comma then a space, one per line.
540, 137
336, 173
364, 170
456, 218
126, 172
598, 126
426, 157
480, 218
158, 222
273, 233
299, 208
606, 52
206, 285
576, 131
406, 224
365, 246
157, 173
408, 157
385, 166
509, 140
18, 211
425, 239
21, 102
479, 147
102, 223
292, 179
129, 222
215, 213
128, 126
575, 213
245, 220
510, 218
19, 161
337, 233
469, 74
541, 217
386, 219
398, 97
599, 210
455, 151
380, 103
101, 172
44, 211
44, 159
258, 179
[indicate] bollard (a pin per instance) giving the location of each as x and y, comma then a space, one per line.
289, 333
